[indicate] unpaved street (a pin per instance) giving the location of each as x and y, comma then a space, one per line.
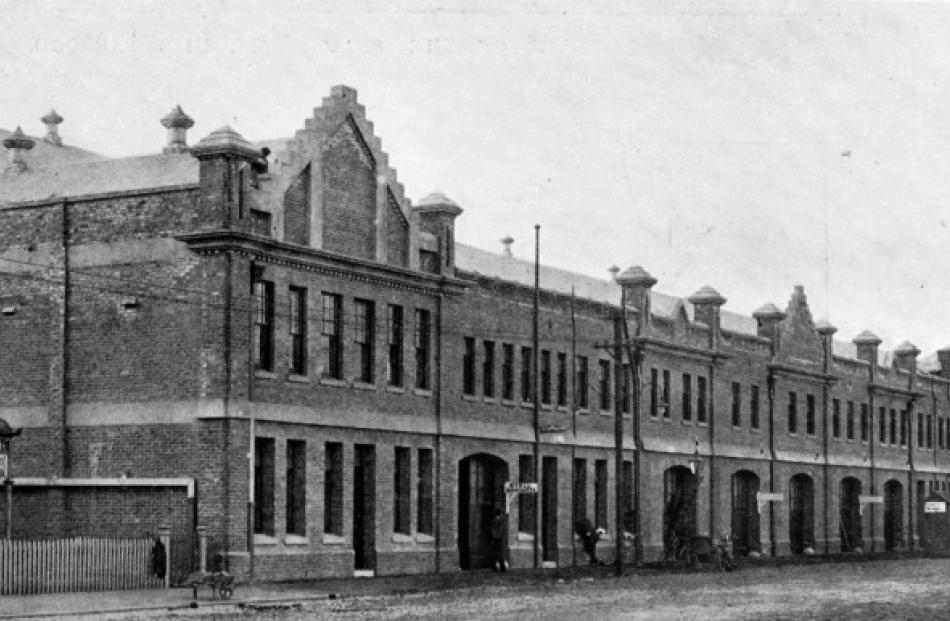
907, 589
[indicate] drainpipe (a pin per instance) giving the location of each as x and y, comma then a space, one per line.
534, 393
770, 386
437, 404
64, 334
226, 355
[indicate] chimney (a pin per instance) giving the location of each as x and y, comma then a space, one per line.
706, 303
943, 357
905, 356
867, 343
437, 214
636, 283
614, 270
222, 155
767, 318
52, 121
506, 241
17, 142
177, 123
825, 330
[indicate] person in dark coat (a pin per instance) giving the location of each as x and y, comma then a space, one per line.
589, 535
498, 530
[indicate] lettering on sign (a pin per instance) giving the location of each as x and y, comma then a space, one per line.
871, 500
521, 488
935, 506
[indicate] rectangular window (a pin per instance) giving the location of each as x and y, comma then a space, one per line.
629, 522
701, 399
893, 426
625, 389
526, 374
394, 338
298, 331
903, 431
580, 489
488, 369
754, 407
654, 393
850, 425
810, 414
365, 338
264, 325
527, 523
940, 432
425, 492
545, 377
423, 341
882, 426
333, 489
604, 387
687, 396
665, 395
468, 367
402, 491
865, 422
508, 371
792, 412
331, 332
582, 379
930, 431
836, 418
600, 494
297, 488
264, 486
562, 379
736, 404
920, 430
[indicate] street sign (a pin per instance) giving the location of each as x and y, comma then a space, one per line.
4, 466
521, 488
932, 506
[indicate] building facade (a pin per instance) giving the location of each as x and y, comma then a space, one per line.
279, 346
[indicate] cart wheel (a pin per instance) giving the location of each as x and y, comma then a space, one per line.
226, 592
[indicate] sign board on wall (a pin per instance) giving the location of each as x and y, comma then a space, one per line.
4, 466
521, 488
935, 506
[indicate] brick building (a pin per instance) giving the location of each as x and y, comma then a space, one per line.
279, 346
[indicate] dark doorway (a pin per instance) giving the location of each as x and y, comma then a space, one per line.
549, 508
893, 515
364, 507
801, 513
745, 513
850, 512
481, 490
680, 488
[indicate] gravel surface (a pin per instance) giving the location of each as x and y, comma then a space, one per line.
906, 589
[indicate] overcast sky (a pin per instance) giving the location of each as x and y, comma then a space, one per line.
748, 146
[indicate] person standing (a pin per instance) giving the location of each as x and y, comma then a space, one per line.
589, 535
498, 531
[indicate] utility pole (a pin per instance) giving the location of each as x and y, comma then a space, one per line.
534, 391
618, 436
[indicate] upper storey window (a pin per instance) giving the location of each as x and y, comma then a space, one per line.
364, 338
331, 332
264, 325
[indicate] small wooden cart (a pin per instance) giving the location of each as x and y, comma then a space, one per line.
220, 582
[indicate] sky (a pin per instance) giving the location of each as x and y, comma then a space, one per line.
750, 146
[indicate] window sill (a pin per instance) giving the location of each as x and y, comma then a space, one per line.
562, 408
525, 537
527, 404
424, 538
583, 411
666, 420
363, 385
547, 407
261, 374
489, 400
333, 540
296, 540
332, 381
397, 389
298, 379
737, 428
264, 540
470, 398
508, 403
422, 392
702, 423
687, 421
402, 538
755, 430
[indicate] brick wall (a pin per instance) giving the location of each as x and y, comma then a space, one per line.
349, 195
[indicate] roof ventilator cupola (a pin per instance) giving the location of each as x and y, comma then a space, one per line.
17, 143
178, 123
52, 120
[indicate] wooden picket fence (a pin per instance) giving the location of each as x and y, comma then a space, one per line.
78, 564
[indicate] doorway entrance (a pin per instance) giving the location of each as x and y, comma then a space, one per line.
549, 508
850, 511
801, 513
680, 487
745, 513
481, 490
893, 515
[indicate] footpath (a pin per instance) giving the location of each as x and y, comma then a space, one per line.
110, 603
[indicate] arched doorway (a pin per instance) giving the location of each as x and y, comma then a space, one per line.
801, 513
745, 512
481, 490
680, 487
893, 515
850, 514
